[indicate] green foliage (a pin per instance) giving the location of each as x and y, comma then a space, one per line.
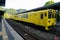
1, 8
49, 2
59, 15
21, 10
11, 11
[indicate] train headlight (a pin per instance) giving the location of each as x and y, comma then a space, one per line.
49, 21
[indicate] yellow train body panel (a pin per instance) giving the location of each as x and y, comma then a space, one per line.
38, 18
6, 15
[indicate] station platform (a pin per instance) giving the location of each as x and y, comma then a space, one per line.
7, 32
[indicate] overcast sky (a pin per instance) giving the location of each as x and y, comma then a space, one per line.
26, 4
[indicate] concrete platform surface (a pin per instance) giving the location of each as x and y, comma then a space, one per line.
8, 32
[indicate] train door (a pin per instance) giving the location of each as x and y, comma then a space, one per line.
45, 19
41, 19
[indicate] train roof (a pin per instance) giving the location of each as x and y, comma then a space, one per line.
55, 6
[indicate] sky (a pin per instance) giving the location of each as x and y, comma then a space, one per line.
26, 4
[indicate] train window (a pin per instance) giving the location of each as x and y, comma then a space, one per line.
55, 15
52, 15
45, 14
23, 16
41, 16
49, 14
26, 16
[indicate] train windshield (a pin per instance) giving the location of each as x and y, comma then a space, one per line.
49, 14
53, 16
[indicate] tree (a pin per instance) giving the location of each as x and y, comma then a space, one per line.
21, 10
49, 2
11, 11
1, 8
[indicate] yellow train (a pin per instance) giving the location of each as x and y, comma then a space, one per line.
8, 16
43, 18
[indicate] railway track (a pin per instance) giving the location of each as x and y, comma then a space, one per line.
56, 31
21, 32
40, 35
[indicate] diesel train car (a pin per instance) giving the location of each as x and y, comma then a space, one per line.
43, 18
8, 16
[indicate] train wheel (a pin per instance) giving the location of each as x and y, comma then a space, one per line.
46, 28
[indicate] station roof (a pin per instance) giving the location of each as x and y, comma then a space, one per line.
55, 6
2, 3
1, 12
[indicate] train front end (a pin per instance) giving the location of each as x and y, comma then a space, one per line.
51, 22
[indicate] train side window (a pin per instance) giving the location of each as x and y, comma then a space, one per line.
41, 16
23, 16
49, 14
55, 15
45, 14
26, 15
52, 15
